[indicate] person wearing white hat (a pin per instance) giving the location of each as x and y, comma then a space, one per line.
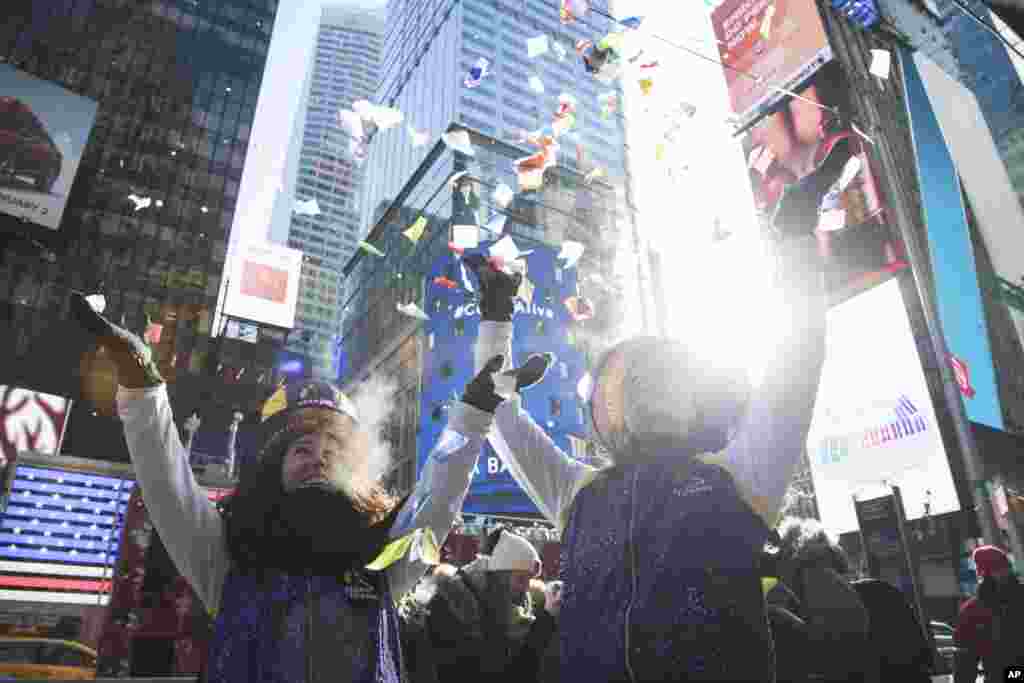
481, 620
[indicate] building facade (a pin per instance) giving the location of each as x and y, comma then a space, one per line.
345, 68
176, 83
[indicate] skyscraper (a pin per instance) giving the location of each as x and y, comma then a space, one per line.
428, 51
148, 214
344, 70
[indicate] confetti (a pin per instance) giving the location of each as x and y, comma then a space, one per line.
507, 250
526, 289
881, 62
645, 85
415, 231
307, 207
766, 22
579, 308
593, 175
559, 50
832, 220
477, 73
571, 252
632, 23
412, 310
536, 85
503, 195
442, 281
609, 102
458, 141
497, 224
369, 248
535, 47
571, 10
381, 116
850, 171
465, 236
140, 202
97, 302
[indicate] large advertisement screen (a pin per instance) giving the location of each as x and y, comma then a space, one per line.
781, 42
264, 284
31, 421
43, 131
812, 172
874, 424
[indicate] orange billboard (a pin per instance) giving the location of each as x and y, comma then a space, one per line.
780, 42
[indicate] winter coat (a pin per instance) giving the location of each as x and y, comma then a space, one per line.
461, 637
899, 649
789, 632
991, 627
660, 559
837, 624
274, 627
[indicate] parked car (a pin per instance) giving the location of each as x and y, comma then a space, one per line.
945, 648
46, 659
27, 152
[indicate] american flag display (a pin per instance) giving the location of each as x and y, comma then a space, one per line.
59, 535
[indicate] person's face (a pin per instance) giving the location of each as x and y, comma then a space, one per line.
328, 457
775, 133
606, 402
807, 118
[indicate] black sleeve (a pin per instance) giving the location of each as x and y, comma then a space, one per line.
526, 666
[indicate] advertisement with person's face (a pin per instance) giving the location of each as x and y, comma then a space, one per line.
812, 173
782, 42
43, 132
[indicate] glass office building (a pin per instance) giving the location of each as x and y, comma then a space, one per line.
177, 83
345, 69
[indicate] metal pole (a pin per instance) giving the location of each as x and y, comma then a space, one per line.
918, 256
232, 436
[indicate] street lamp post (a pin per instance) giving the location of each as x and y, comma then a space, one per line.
191, 427
236, 419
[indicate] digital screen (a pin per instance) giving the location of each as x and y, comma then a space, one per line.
874, 423
59, 535
43, 132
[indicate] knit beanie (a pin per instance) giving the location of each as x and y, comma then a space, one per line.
514, 553
989, 559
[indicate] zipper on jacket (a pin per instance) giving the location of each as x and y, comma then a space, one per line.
309, 629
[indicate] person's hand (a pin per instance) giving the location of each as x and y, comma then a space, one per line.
497, 289
486, 394
553, 598
134, 359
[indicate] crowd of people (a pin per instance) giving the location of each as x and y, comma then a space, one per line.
672, 566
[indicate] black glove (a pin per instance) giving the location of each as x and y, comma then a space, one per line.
497, 289
796, 214
134, 359
480, 393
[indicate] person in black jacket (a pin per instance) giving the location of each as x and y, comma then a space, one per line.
478, 622
897, 643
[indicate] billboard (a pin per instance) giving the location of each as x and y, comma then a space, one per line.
542, 324
264, 284
810, 171
31, 421
874, 424
782, 42
43, 132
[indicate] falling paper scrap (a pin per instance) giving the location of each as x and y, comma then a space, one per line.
412, 310
536, 85
571, 10
526, 291
850, 171
381, 116
97, 302
558, 49
307, 207
535, 47
507, 250
881, 62
140, 202
645, 85
496, 225
609, 102
458, 141
571, 251
477, 73
352, 124
442, 281
593, 175
415, 231
503, 195
766, 23
632, 23
418, 139
565, 115
466, 282
369, 248
453, 182
465, 236
579, 308
832, 220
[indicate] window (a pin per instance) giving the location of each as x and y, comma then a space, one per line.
19, 653
64, 655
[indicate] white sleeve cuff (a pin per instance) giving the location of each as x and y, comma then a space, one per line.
493, 338
466, 420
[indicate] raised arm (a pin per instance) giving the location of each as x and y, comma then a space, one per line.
188, 523
765, 452
549, 476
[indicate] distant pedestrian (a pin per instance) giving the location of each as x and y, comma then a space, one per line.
899, 649
991, 624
